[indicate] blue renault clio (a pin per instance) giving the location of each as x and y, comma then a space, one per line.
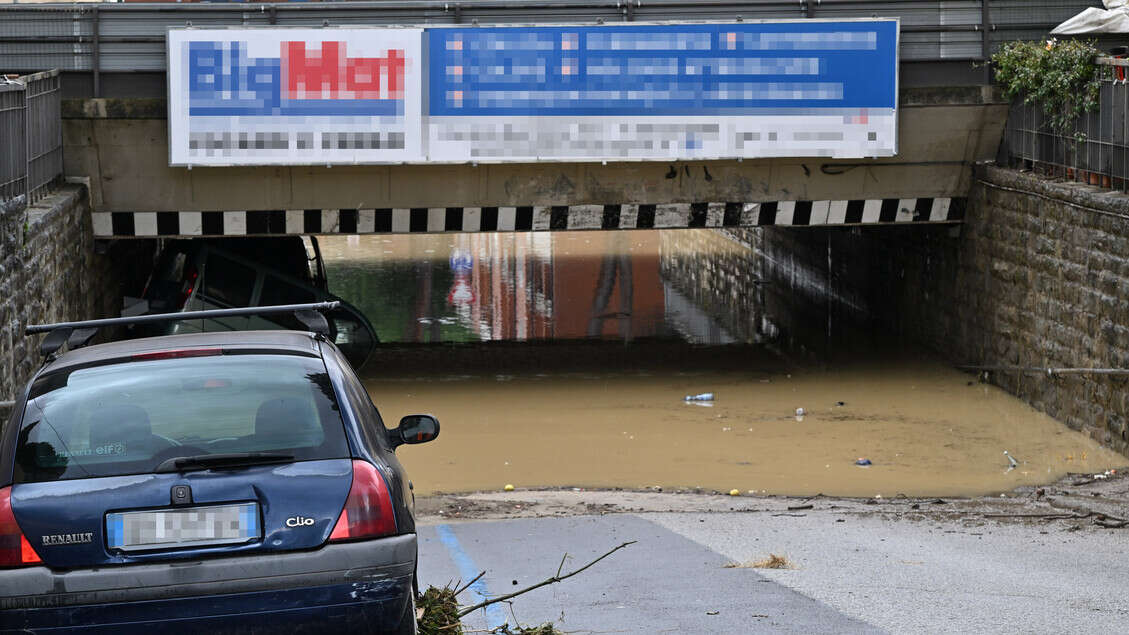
210, 482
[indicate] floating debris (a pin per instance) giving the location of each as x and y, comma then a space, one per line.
1011, 459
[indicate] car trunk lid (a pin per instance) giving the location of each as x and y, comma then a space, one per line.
166, 516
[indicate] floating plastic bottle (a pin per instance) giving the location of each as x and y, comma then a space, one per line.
1011, 460
705, 396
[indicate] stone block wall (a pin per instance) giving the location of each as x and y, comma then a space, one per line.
720, 274
1037, 277
1047, 265
51, 271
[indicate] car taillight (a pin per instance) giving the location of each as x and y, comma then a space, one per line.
177, 353
15, 550
188, 286
368, 510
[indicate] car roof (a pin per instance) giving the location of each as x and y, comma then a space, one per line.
300, 342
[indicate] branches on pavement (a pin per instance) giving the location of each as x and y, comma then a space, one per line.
550, 580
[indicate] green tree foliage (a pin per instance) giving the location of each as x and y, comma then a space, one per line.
1060, 75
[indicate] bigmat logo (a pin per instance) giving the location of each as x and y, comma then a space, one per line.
295, 96
223, 80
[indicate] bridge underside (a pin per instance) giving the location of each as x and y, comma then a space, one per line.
122, 146
555, 218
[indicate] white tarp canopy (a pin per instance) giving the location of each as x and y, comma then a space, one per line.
1114, 18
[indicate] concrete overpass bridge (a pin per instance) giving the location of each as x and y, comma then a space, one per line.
116, 130
122, 145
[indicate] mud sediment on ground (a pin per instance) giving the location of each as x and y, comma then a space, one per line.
1074, 503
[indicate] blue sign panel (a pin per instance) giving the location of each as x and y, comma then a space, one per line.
689, 69
662, 91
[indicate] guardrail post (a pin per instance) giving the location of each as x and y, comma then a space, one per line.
27, 144
986, 39
96, 57
13, 167
273, 13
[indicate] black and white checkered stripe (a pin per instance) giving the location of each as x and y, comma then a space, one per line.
488, 219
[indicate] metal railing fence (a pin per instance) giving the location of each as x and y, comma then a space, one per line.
13, 149
31, 137
130, 37
1092, 148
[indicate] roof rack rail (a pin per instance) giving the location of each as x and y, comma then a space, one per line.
79, 334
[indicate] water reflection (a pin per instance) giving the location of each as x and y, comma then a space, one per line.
924, 429
573, 406
520, 286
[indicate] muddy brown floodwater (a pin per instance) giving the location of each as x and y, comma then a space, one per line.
567, 416
925, 430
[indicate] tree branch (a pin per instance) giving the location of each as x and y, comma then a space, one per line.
551, 580
1050, 516
467, 585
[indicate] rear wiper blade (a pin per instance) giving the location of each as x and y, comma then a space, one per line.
208, 461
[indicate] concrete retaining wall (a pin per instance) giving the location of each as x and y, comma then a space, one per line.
50, 272
719, 273
1048, 268
1038, 276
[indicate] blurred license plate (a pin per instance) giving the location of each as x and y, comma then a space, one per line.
188, 527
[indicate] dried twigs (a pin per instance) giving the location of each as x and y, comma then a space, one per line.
467, 585
551, 580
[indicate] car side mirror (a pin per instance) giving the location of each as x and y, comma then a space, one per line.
415, 429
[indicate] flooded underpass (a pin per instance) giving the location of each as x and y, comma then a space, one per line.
565, 359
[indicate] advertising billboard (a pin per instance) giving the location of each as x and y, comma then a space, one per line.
663, 92
294, 96
638, 92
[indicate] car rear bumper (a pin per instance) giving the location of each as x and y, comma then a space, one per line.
349, 586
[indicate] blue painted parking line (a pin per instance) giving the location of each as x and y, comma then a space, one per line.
495, 616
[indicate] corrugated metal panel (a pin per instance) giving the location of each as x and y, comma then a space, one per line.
1029, 19
42, 37
1036, 12
131, 36
718, 11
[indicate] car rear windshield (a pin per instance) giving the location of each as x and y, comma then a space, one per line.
128, 418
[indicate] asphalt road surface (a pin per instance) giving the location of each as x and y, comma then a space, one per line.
851, 573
